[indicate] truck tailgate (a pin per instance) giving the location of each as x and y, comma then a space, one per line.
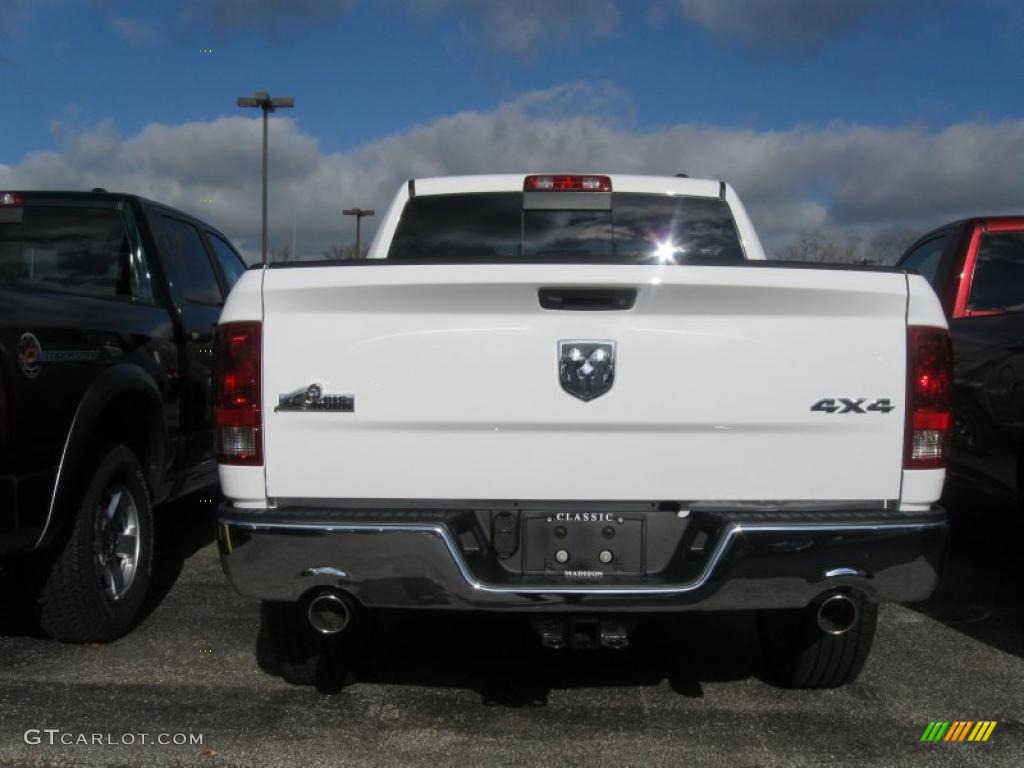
454, 375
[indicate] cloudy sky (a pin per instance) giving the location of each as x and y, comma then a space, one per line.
855, 117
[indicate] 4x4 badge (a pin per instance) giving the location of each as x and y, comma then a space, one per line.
586, 367
853, 405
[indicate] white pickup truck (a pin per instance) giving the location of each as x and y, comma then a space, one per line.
581, 398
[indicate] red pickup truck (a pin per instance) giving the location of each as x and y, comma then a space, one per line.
976, 267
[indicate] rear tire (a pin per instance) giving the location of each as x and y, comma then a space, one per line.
797, 654
99, 577
291, 648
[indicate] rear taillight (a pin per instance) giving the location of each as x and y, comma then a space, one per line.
929, 398
567, 183
237, 418
11, 198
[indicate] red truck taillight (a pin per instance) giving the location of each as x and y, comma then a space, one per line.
929, 398
237, 418
567, 183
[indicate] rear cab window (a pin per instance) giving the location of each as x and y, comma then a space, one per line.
79, 249
615, 227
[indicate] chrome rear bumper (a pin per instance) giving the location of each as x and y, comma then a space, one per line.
417, 560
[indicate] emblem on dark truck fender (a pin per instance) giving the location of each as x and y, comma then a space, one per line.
586, 368
30, 355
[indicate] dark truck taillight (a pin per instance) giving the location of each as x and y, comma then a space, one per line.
237, 417
929, 398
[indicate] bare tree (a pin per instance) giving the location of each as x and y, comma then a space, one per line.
824, 246
831, 246
887, 246
284, 253
345, 251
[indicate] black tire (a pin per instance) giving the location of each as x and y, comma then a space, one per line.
80, 601
797, 654
289, 647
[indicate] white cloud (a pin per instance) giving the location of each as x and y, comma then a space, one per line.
779, 25
11, 14
519, 27
860, 180
135, 31
266, 15
513, 27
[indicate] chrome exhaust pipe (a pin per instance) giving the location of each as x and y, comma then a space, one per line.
329, 613
836, 613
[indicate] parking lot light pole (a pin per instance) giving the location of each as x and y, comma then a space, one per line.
358, 213
263, 101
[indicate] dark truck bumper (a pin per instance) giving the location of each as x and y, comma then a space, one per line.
718, 559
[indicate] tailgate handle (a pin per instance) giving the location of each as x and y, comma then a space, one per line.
587, 299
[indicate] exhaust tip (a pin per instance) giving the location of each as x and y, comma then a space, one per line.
329, 613
837, 613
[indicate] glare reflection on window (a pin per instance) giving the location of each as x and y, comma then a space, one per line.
665, 251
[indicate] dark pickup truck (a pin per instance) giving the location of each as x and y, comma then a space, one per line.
976, 267
108, 304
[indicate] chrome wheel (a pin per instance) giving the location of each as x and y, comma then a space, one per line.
117, 540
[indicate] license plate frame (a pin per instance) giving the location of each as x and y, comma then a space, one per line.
584, 535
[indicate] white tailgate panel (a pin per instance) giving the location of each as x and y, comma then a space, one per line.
454, 370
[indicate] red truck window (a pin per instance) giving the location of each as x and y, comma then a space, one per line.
997, 284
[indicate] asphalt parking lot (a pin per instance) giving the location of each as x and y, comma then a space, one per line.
440, 690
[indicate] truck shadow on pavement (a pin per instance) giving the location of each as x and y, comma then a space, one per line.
181, 528
500, 657
979, 593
